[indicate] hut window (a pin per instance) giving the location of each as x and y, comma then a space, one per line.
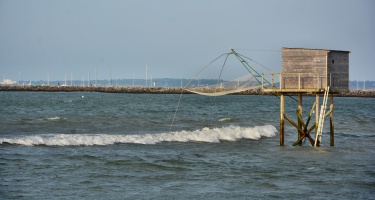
333, 61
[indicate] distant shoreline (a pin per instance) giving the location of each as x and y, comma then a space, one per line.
149, 90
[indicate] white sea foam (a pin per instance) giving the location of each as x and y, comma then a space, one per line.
49, 118
224, 119
215, 135
53, 118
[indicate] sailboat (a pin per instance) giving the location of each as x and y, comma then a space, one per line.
64, 82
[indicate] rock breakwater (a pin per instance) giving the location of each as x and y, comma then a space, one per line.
115, 89
149, 90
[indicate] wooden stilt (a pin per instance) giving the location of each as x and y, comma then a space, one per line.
331, 125
304, 133
282, 119
299, 114
316, 112
301, 126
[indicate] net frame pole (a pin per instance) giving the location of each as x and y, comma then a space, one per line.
247, 66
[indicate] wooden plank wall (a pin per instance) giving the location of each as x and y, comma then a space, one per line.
338, 67
303, 61
312, 62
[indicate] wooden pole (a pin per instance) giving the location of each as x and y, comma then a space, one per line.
317, 113
282, 119
331, 125
309, 118
299, 134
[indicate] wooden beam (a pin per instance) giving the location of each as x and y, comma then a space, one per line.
312, 141
331, 125
299, 114
282, 119
306, 134
316, 112
311, 112
300, 120
294, 124
328, 113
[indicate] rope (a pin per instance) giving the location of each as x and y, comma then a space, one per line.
196, 75
184, 88
272, 50
265, 68
213, 112
175, 113
255, 62
292, 98
218, 80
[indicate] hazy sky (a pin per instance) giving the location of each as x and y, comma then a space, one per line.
174, 38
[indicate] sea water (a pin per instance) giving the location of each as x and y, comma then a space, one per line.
141, 146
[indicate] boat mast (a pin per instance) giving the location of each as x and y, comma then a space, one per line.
110, 75
146, 75
19, 75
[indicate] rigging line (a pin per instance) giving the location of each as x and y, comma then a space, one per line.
217, 84
239, 56
205, 68
255, 62
258, 50
175, 113
292, 98
246, 67
213, 112
265, 79
178, 104
222, 68
274, 94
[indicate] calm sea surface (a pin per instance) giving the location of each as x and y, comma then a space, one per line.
122, 146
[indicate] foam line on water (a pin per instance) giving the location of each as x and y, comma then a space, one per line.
214, 135
57, 118
53, 118
224, 119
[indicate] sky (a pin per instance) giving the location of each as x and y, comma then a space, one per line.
41, 39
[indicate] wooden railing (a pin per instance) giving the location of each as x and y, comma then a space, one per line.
293, 81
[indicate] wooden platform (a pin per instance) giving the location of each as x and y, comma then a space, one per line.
293, 90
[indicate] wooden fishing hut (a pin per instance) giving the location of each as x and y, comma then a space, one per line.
314, 72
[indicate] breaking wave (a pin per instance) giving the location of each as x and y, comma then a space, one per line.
214, 135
